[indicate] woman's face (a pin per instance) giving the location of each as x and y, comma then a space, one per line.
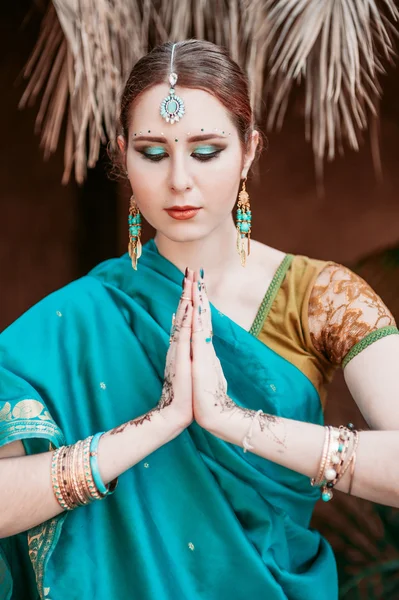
196, 162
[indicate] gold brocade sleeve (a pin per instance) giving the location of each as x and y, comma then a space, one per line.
345, 314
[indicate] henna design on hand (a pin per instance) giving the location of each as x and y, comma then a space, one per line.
167, 394
267, 422
165, 400
223, 400
136, 422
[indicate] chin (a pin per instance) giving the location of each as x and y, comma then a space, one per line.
184, 232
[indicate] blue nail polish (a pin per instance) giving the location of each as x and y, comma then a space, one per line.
202, 273
199, 286
199, 310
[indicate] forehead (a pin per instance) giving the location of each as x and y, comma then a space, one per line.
202, 110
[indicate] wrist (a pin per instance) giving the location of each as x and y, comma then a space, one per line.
217, 424
230, 426
176, 423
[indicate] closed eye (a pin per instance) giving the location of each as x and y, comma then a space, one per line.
201, 156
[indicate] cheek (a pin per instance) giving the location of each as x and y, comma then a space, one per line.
221, 180
146, 179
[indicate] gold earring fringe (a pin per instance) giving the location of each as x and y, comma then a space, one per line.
134, 220
244, 220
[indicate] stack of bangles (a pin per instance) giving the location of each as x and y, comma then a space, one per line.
339, 454
75, 474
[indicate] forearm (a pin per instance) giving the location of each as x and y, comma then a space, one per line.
298, 446
27, 496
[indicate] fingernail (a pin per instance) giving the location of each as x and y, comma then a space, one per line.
186, 272
202, 273
199, 286
199, 310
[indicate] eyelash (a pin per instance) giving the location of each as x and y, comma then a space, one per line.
200, 157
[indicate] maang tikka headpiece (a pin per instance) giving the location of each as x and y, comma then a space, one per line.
172, 107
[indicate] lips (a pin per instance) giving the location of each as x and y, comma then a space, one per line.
182, 212
186, 207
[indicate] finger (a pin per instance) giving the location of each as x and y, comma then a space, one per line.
185, 300
182, 344
206, 304
199, 334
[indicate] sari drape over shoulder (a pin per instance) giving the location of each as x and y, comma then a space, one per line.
198, 518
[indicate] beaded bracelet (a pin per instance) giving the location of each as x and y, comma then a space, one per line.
336, 458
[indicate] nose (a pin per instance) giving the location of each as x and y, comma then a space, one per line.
180, 179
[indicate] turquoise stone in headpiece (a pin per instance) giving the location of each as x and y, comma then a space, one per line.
172, 107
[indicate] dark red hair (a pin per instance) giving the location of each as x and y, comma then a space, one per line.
199, 64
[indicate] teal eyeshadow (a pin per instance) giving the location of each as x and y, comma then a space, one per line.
206, 149
154, 151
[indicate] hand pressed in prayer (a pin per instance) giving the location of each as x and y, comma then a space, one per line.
210, 397
177, 387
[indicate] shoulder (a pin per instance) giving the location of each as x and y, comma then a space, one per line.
345, 314
64, 305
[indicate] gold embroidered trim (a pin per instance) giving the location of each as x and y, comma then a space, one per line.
18, 430
367, 341
270, 295
41, 545
29, 418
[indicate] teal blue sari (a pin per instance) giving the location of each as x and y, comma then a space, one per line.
198, 518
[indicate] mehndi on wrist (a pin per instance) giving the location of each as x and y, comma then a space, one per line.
75, 475
247, 438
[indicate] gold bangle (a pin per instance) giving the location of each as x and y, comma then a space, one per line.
76, 475
62, 473
55, 479
315, 481
93, 491
353, 464
67, 474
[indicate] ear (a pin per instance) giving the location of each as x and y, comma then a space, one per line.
250, 154
121, 143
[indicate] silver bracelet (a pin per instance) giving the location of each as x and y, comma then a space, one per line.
245, 442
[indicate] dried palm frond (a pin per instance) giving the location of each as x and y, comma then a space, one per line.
337, 48
87, 47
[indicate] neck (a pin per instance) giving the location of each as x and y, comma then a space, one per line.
216, 253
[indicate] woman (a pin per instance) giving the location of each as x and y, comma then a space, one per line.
222, 508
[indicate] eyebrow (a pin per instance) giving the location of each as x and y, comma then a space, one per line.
195, 138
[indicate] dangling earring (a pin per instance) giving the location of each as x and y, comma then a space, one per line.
244, 219
134, 220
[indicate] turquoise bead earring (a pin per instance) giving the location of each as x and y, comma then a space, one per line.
244, 220
134, 220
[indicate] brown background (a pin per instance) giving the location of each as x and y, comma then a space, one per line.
50, 234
